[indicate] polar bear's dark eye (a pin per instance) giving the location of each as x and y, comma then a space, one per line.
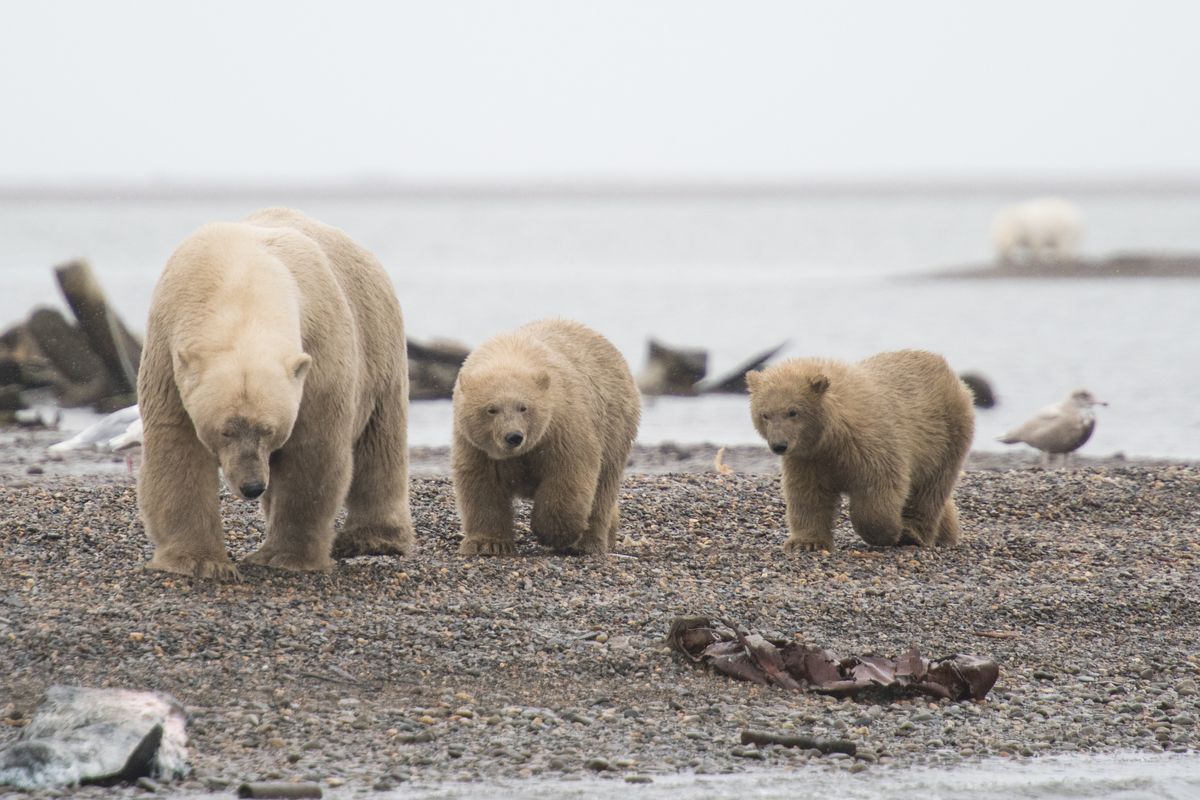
792, 412
522, 408
765, 417
493, 410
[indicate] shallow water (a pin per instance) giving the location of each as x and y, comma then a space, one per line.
830, 274
1122, 777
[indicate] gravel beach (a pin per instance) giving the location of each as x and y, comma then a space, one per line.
1082, 584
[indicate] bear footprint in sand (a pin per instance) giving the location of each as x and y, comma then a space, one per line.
891, 432
546, 412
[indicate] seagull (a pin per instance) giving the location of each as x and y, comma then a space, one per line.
131, 437
120, 430
1058, 429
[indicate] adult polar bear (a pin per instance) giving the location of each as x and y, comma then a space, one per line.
1043, 229
274, 351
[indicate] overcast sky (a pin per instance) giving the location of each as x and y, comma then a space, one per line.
609, 89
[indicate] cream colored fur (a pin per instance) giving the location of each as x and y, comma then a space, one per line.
1043, 229
891, 432
274, 352
568, 394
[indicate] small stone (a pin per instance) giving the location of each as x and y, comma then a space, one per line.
748, 752
597, 764
146, 784
638, 779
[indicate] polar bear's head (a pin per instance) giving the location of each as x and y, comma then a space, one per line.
243, 408
786, 404
503, 411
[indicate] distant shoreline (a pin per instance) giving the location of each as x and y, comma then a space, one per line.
1120, 265
585, 188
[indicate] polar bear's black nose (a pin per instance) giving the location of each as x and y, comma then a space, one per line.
252, 490
779, 447
513, 439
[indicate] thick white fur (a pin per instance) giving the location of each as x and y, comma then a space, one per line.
274, 350
1043, 229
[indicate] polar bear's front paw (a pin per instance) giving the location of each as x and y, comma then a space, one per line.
918, 536
486, 547
560, 538
270, 557
218, 568
586, 546
373, 541
794, 545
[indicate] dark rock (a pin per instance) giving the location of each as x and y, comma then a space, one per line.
981, 389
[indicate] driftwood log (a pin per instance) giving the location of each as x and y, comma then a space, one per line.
433, 368
92, 362
83, 378
672, 370
734, 382
106, 334
680, 371
22, 362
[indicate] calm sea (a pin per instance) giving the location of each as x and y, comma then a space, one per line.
831, 273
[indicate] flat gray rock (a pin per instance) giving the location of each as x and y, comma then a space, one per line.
101, 736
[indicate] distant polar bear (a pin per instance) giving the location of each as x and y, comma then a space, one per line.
1044, 229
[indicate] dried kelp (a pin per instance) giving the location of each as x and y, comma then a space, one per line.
749, 656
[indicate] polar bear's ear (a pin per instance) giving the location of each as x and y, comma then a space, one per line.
543, 380
819, 384
298, 366
753, 378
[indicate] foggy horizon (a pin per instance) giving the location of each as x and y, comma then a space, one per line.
537, 92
